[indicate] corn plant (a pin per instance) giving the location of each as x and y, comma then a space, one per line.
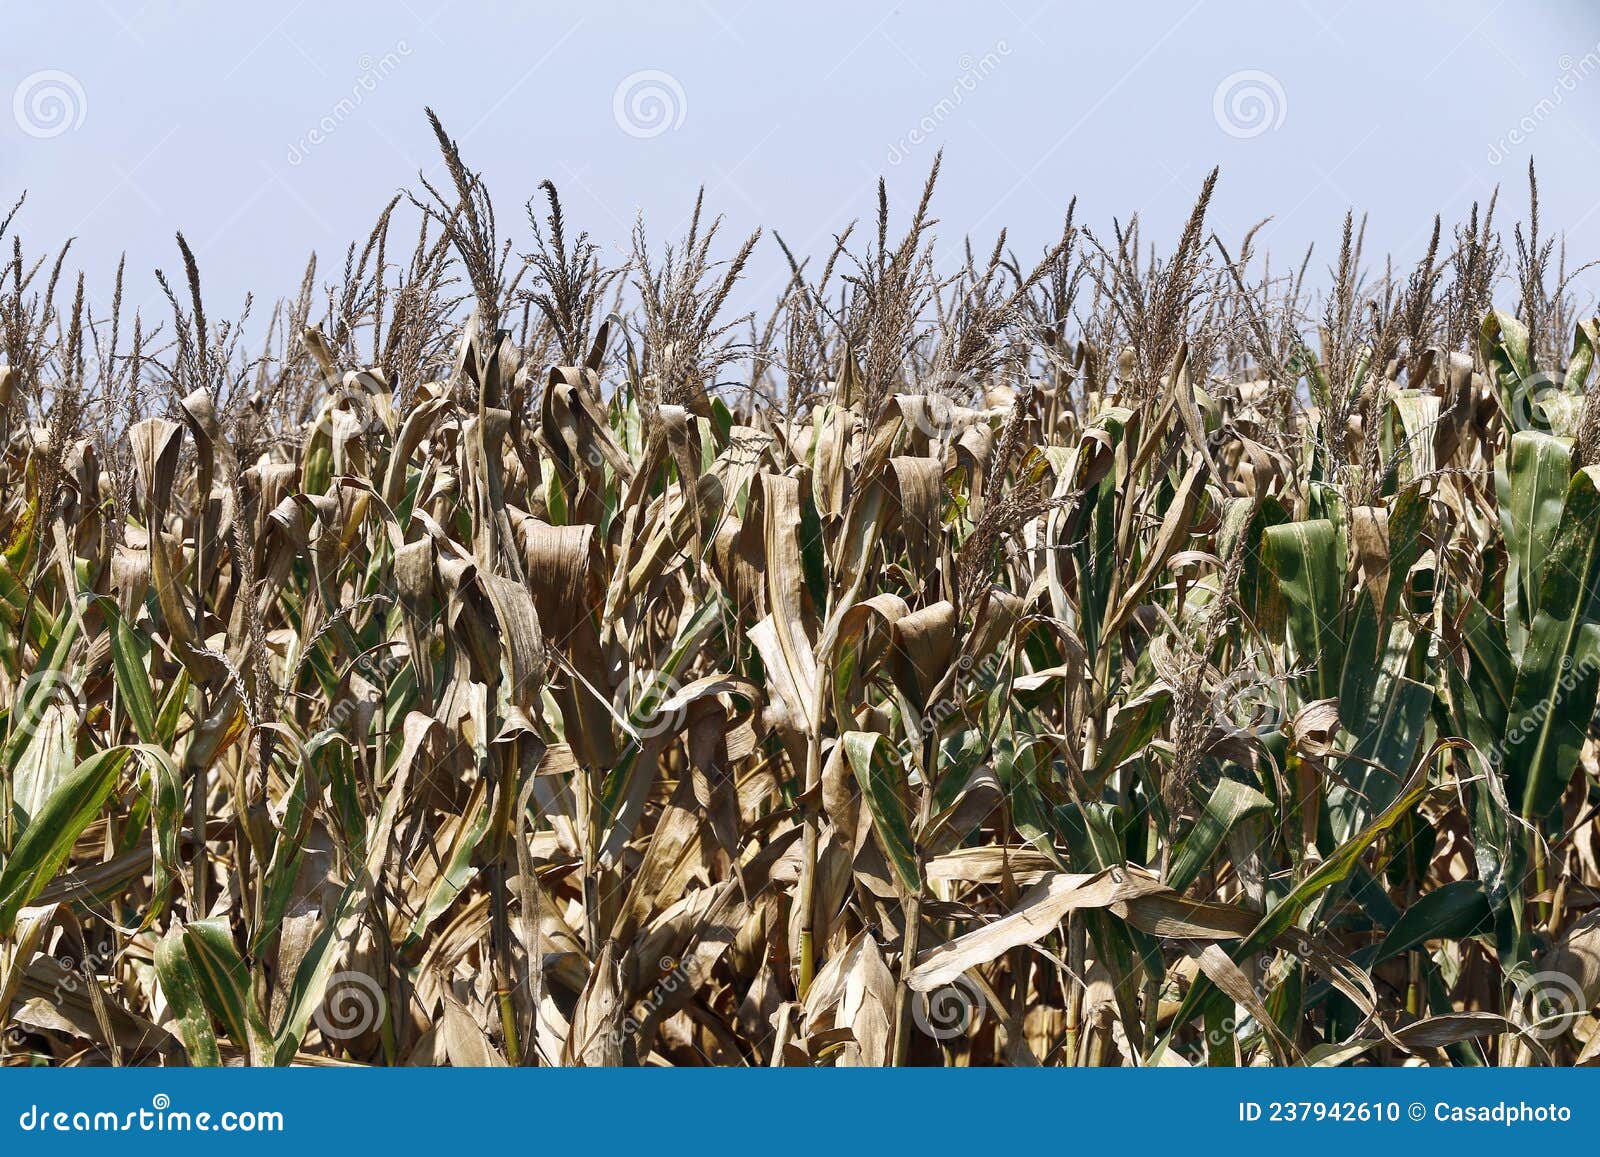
1125, 657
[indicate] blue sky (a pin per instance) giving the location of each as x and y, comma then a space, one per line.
265, 132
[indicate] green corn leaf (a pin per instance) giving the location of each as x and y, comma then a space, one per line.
128, 654
46, 842
1557, 679
879, 776
1330, 873
1449, 912
1533, 492
222, 979
1309, 567
1231, 802
181, 987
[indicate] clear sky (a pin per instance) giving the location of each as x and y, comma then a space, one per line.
266, 131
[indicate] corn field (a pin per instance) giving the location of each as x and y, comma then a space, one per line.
504, 654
